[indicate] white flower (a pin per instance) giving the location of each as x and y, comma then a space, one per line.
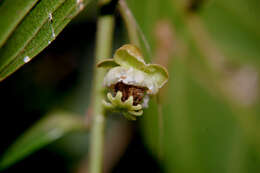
131, 81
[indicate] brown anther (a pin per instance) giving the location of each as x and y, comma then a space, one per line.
138, 93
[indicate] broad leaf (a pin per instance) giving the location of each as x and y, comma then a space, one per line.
200, 131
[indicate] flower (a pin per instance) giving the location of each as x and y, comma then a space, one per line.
130, 81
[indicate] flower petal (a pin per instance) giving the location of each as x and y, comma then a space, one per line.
129, 56
136, 113
136, 108
158, 74
129, 101
107, 63
107, 105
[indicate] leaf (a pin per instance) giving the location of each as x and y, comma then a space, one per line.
37, 30
234, 28
10, 17
201, 131
52, 127
194, 125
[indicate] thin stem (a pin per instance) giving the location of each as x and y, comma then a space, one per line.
130, 23
135, 33
133, 29
105, 29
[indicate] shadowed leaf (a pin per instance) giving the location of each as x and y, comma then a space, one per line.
49, 129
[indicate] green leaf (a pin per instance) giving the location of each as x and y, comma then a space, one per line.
41, 26
12, 12
107, 63
49, 129
197, 128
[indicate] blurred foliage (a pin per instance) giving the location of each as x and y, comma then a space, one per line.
210, 115
52, 127
47, 84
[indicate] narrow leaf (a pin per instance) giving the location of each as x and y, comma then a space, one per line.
50, 128
12, 12
13, 56
27, 30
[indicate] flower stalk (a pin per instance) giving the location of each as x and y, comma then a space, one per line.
105, 27
128, 81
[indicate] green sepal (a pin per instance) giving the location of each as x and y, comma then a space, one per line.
107, 63
129, 56
158, 74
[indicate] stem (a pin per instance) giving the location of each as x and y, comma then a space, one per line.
130, 23
105, 27
135, 34
133, 29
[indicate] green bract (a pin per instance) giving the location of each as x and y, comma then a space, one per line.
128, 67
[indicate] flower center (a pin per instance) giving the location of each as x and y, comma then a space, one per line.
138, 93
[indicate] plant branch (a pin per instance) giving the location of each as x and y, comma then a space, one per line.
105, 27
